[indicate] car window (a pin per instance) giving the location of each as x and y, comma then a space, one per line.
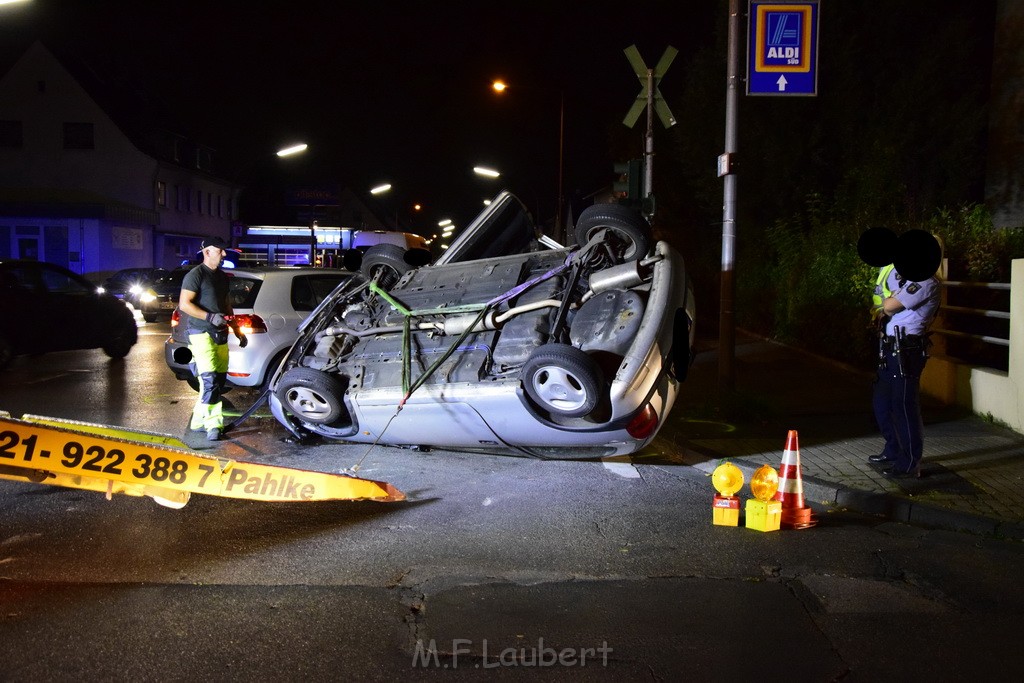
309, 290
502, 229
57, 282
243, 290
19, 279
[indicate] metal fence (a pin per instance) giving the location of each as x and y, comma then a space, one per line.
973, 322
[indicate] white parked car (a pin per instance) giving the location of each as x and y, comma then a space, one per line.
502, 345
269, 305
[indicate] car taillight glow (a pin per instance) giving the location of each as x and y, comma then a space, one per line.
175, 318
643, 423
250, 323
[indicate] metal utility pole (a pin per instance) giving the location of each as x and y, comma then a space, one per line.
726, 323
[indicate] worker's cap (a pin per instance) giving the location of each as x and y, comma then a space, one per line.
215, 242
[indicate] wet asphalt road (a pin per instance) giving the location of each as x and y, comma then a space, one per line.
507, 567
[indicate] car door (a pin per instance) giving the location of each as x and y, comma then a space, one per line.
72, 306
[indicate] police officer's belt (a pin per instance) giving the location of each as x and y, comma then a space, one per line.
907, 341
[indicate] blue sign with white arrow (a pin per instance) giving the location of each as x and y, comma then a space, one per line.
782, 48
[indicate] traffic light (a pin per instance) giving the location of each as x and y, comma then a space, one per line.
626, 187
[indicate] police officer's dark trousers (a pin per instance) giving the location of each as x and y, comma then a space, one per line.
897, 407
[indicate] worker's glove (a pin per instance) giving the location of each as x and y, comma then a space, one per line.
243, 341
216, 319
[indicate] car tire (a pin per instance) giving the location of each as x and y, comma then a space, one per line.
630, 232
150, 318
119, 346
387, 261
563, 380
312, 396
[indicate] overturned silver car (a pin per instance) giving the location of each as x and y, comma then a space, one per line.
507, 343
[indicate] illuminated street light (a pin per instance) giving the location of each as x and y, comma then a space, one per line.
500, 87
10, 2
445, 222
484, 171
380, 189
294, 149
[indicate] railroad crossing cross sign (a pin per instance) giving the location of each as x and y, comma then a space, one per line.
643, 73
782, 48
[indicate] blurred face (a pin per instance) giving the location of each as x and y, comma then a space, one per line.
213, 257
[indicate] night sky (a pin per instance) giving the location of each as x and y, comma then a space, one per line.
395, 91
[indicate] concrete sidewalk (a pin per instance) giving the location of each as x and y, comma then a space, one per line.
972, 473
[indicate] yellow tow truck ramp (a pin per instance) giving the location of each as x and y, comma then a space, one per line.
94, 457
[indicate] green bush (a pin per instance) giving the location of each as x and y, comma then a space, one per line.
805, 285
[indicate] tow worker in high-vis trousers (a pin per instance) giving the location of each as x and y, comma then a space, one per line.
204, 297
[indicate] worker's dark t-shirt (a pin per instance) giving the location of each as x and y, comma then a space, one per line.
211, 287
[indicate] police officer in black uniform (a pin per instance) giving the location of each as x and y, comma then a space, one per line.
903, 346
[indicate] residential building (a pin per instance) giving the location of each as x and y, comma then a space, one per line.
94, 185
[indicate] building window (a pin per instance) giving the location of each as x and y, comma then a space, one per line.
78, 135
161, 193
177, 197
209, 203
11, 134
199, 202
220, 206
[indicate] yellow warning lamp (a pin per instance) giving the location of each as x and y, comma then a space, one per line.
727, 480
764, 514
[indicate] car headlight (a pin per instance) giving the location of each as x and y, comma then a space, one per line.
135, 289
147, 296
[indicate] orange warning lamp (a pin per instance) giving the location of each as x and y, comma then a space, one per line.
764, 483
764, 514
727, 480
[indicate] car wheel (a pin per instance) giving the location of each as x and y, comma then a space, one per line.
386, 261
312, 396
628, 231
6, 352
563, 380
122, 343
149, 317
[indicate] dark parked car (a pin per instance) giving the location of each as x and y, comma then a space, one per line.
130, 282
44, 307
160, 298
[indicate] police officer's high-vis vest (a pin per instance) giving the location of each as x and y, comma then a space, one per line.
882, 291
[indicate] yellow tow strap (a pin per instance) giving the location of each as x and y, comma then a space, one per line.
82, 455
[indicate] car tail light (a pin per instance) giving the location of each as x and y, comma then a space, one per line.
175, 318
250, 324
643, 423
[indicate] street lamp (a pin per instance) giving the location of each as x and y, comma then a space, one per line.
292, 149
499, 86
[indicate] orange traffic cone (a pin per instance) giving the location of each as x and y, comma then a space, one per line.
795, 514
